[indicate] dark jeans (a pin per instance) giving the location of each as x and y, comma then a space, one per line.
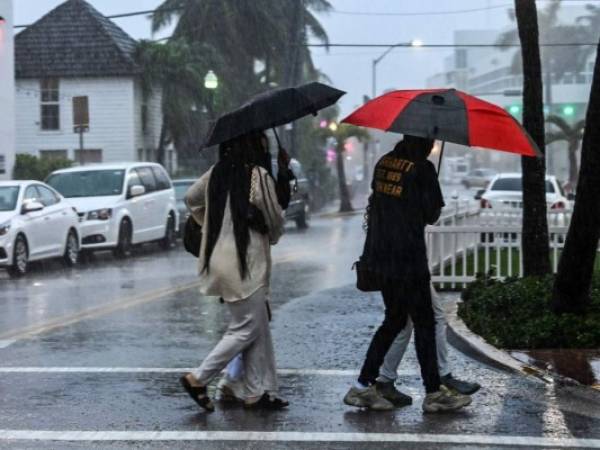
401, 300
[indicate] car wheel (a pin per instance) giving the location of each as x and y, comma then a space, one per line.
302, 222
71, 256
123, 249
168, 242
20, 258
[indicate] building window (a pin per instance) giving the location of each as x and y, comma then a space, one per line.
83, 157
2, 164
53, 154
50, 106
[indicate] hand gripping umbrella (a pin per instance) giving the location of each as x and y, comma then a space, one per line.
446, 115
271, 109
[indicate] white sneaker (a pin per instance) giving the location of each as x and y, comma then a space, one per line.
445, 400
367, 397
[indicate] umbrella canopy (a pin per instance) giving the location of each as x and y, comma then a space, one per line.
271, 109
446, 115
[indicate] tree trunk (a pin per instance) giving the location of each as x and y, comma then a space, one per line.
574, 277
345, 203
573, 172
535, 247
162, 143
294, 63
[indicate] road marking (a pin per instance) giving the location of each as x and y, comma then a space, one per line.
296, 436
6, 342
91, 313
301, 372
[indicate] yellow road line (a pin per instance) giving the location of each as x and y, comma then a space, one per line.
91, 313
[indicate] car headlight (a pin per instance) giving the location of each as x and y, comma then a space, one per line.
4, 227
100, 214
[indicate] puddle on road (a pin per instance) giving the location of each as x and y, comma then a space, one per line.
580, 365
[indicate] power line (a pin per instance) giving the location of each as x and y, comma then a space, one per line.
409, 45
150, 12
420, 13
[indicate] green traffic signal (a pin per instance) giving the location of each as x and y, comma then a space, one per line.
568, 110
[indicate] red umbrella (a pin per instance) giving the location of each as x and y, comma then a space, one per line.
446, 115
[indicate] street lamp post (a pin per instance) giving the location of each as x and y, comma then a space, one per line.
413, 43
211, 83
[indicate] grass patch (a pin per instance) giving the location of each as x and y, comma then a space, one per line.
506, 258
515, 313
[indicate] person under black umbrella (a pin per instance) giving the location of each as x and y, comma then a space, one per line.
235, 265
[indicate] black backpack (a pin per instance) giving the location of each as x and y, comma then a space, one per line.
192, 236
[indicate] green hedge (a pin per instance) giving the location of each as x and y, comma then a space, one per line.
516, 314
30, 167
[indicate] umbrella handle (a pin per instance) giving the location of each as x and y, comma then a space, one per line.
440, 160
277, 138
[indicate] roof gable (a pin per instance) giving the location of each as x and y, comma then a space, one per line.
74, 40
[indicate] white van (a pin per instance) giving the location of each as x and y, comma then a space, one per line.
120, 204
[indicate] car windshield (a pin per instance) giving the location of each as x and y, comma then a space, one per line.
516, 184
8, 197
88, 183
181, 187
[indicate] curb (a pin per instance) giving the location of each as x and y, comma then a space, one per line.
486, 352
475, 344
333, 215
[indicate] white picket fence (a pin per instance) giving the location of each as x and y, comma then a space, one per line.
467, 241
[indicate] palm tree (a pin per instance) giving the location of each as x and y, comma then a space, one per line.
341, 134
556, 61
173, 68
572, 135
592, 26
535, 246
573, 280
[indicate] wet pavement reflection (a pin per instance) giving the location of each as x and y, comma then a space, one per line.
580, 365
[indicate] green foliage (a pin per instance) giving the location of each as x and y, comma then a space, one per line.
29, 167
516, 314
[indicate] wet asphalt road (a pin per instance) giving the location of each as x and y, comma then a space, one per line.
100, 349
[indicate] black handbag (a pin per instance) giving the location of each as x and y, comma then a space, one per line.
366, 279
192, 236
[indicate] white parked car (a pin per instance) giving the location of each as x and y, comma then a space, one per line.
505, 191
478, 178
120, 204
36, 223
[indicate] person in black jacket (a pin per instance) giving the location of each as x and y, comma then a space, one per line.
406, 196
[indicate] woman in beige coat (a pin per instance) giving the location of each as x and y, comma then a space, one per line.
236, 204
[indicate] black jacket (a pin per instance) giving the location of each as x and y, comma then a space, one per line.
406, 196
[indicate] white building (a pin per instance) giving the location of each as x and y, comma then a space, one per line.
486, 72
7, 91
75, 51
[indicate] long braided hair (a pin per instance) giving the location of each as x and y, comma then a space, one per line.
231, 177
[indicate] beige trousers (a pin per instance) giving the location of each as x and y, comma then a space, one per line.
249, 334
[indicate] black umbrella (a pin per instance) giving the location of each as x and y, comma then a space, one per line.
271, 109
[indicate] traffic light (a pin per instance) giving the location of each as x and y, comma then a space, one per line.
568, 110
514, 109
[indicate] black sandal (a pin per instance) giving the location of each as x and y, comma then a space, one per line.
198, 393
268, 402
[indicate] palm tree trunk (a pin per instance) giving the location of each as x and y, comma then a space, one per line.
535, 247
162, 143
345, 203
574, 277
573, 170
